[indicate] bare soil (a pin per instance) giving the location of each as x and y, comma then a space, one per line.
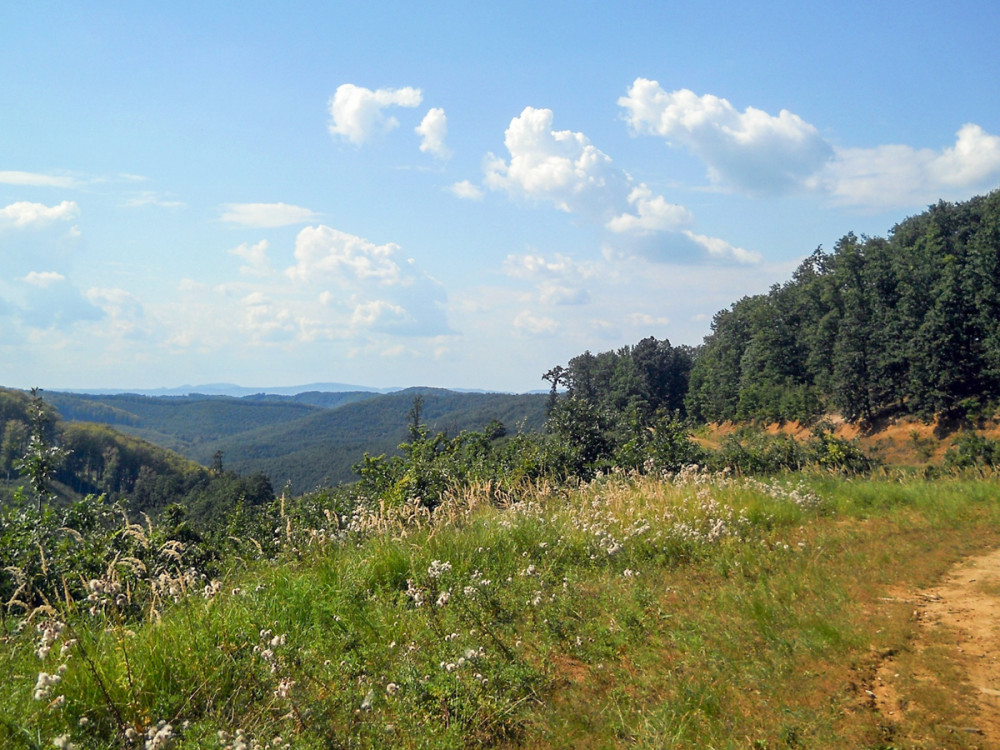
897, 442
958, 636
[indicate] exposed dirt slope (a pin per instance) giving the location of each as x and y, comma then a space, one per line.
900, 442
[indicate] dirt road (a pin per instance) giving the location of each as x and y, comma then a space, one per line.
960, 620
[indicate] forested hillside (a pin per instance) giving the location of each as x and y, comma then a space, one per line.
307, 440
909, 324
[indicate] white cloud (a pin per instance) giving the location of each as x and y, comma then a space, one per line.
266, 215
466, 190
559, 294
357, 286
645, 319
379, 313
255, 257
357, 111
653, 214
722, 250
324, 253
24, 214
756, 152
32, 179
565, 169
43, 278
558, 266
265, 321
536, 325
556, 166
899, 175
433, 129
751, 150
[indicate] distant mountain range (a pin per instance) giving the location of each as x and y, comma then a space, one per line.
308, 439
238, 391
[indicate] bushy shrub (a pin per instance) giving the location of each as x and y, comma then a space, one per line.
972, 450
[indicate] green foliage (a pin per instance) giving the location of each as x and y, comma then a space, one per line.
973, 451
752, 451
431, 466
903, 325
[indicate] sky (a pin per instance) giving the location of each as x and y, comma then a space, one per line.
450, 194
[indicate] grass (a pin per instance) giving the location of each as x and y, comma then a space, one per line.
695, 612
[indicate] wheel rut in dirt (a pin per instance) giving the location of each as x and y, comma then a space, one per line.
967, 604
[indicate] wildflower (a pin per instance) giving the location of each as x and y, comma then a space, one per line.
414, 593
392, 688
62, 741
159, 737
443, 599
44, 684
284, 688
438, 568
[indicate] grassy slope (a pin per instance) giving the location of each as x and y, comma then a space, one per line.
693, 614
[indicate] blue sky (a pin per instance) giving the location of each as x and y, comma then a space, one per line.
450, 194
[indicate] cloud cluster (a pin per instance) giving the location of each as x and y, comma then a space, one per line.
26, 214
358, 114
751, 150
892, 175
759, 153
564, 169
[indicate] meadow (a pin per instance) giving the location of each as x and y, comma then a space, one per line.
687, 610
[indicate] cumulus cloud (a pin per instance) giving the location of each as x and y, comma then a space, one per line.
357, 113
466, 190
379, 313
555, 166
893, 175
752, 150
254, 257
653, 214
266, 321
432, 130
757, 152
33, 179
368, 285
324, 253
266, 215
25, 214
565, 169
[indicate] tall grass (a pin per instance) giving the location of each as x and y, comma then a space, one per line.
686, 611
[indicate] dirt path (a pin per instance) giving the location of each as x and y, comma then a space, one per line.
961, 616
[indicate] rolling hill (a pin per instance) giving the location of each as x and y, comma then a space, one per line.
305, 440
